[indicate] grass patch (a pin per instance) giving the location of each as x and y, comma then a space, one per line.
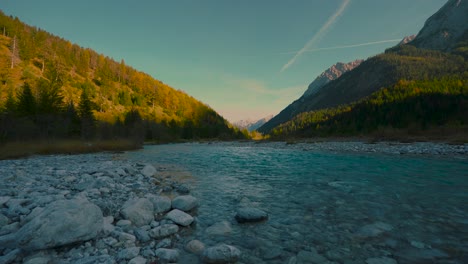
13, 150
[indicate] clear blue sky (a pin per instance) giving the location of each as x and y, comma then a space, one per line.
245, 58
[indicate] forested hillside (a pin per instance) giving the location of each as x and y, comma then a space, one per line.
412, 108
51, 88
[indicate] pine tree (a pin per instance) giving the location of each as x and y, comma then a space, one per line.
85, 112
26, 102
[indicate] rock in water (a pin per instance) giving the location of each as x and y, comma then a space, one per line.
195, 247
219, 229
184, 202
60, 223
245, 215
221, 254
139, 211
148, 171
179, 217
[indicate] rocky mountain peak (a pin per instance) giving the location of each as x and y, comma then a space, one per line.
407, 40
444, 29
332, 73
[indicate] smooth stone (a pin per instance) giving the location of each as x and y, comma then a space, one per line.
221, 254
108, 227
222, 228
180, 217
4, 200
184, 202
139, 211
38, 260
245, 215
137, 260
148, 171
163, 231
195, 247
170, 255
383, 260
161, 204
60, 223
128, 253
126, 237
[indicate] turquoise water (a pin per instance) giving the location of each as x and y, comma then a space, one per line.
319, 201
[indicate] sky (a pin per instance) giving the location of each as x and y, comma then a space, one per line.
247, 59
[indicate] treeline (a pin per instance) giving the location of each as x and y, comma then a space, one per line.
76, 92
46, 116
414, 105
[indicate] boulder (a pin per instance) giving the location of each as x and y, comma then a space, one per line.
137, 260
184, 202
169, 255
163, 231
222, 228
139, 211
60, 223
221, 254
250, 214
180, 217
195, 247
161, 204
148, 171
128, 253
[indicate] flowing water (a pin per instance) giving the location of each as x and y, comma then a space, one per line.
324, 206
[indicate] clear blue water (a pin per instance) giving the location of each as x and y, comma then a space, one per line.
318, 201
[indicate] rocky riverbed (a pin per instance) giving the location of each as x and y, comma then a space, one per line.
97, 208
109, 208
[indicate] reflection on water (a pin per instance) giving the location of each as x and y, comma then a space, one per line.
320, 202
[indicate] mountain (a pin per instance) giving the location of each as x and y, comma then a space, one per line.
407, 40
252, 125
406, 62
446, 28
48, 85
332, 73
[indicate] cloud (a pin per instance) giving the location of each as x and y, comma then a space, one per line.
347, 46
331, 20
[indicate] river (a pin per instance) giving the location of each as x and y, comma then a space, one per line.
324, 205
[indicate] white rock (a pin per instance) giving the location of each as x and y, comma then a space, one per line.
373, 230
108, 227
184, 202
221, 254
148, 171
60, 223
180, 217
139, 211
169, 255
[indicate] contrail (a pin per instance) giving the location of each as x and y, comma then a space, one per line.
318, 35
346, 46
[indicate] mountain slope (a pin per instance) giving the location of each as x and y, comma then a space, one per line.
405, 62
33, 57
446, 28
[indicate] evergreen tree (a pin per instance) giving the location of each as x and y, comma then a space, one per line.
85, 112
50, 100
26, 102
